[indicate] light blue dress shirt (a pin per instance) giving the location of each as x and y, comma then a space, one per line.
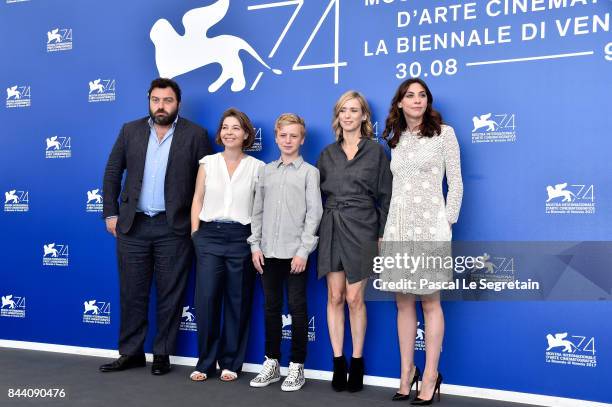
152, 200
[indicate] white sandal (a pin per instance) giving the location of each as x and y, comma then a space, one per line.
228, 376
198, 376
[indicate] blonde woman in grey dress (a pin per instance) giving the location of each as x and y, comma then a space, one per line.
423, 151
356, 184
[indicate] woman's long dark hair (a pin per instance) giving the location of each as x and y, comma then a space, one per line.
396, 124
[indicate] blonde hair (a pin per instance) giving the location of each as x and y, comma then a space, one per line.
287, 119
367, 130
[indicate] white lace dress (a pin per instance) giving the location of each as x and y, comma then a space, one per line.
419, 217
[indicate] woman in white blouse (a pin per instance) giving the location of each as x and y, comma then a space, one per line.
220, 226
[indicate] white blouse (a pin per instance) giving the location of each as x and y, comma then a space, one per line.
229, 199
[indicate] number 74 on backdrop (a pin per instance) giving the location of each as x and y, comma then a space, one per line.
333, 4
177, 54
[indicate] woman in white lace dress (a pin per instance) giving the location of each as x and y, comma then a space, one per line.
419, 222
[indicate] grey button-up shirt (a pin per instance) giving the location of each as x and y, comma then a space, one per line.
287, 210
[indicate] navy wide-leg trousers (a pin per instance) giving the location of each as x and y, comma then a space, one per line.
224, 291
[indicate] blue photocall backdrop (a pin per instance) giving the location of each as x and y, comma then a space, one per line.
525, 84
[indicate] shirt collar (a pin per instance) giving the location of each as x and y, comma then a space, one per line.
297, 163
362, 141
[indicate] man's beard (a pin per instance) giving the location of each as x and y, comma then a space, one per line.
166, 120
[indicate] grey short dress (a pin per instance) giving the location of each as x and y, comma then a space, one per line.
356, 195
419, 217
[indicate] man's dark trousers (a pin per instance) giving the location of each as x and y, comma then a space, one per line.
151, 250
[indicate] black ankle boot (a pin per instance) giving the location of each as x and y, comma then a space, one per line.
355, 380
339, 379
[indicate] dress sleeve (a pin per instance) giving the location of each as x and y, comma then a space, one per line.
385, 181
321, 166
452, 163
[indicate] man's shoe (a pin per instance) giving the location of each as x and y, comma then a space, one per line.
124, 362
161, 365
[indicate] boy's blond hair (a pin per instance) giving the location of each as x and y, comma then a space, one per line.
286, 119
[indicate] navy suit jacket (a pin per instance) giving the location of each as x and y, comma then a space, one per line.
189, 144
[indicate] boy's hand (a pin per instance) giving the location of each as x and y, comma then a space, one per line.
258, 261
298, 265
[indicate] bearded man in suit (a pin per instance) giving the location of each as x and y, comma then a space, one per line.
150, 219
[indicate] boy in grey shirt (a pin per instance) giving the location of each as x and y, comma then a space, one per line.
286, 215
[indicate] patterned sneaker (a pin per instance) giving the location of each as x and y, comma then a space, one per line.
295, 379
270, 373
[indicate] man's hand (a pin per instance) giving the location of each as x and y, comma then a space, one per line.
298, 265
111, 226
258, 261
